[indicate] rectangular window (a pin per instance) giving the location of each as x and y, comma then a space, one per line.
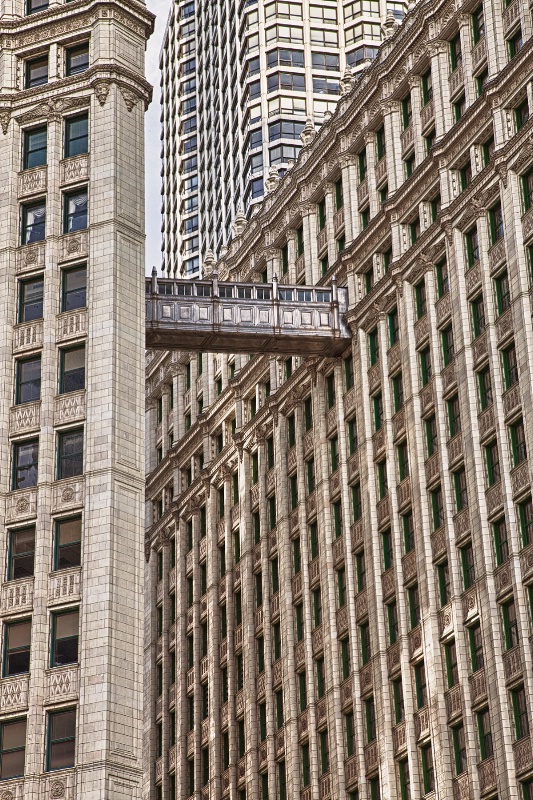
448, 349
454, 416
69, 453
420, 299
373, 346
74, 288
28, 380
35, 148
437, 508
302, 690
12, 748
399, 707
477, 307
425, 366
518, 442
459, 748
21, 556
25, 464
525, 515
443, 281
484, 389
31, 300
461, 493
397, 391
360, 571
503, 295
65, 635
76, 135
308, 413
36, 72
394, 327
492, 462
496, 223
370, 719
414, 605
403, 461
320, 678
408, 527
330, 390
356, 502
378, 412
510, 624
61, 746
17, 644
428, 771
472, 247
75, 211
468, 566
485, 735
452, 670
510, 367
33, 222
77, 59
420, 685
443, 576
520, 712
67, 543
383, 485
364, 633
392, 620
72, 370
476, 647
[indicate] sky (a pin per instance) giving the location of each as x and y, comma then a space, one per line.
153, 179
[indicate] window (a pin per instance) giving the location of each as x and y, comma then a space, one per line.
525, 515
459, 107
510, 367
28, 380
420, 685
77, 59
399, 707
72, 370
35, 148
443, 577
468, 566
518, 442
360, 571
378, 412
317, 608
69, 453
461, 493
425, 366
74, 288
501, 544
454, 416
414, 605
25, 464
478, 23
37, 72
65, 634
476, 647
443, 283
437, 508
76, 135
388, 548
492, 462
356, 502
33, 6
394, 327
484, 389
404, 780
31, 300
345, 658
33, 222
279, 708
408, 527
521, 722
521, 114
392, 620
407, 111
349, 728
67, 543
403, 461
420, 299
302, 690
320, 678
510, 624
448, 349
276, 636
397, 391
61, 746
428, 771
478, 315
485, 734
21, 553
17, 643
75, 211
472, 247
452, 670
383, 485
370, 719
459, 748
13, 748
364, 632
496, 223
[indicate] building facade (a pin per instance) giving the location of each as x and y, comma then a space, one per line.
238, 82
339, 551
72, 103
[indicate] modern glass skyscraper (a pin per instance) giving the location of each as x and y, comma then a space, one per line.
239, 81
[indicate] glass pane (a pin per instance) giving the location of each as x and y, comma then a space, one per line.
32, 300
74, 289
19, 634
76, 212
35, 148
13, 735
73, 375
12, 764
70, 454
67, 624
26, 465
62, 755
34, 223
69, 531
63, 725
77, 131
23, 541
78, 60
29, 380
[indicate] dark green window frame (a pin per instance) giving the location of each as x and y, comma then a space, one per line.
475, 640
421, 299
63, 739
477, 307
397, 392
501, 542
525, 516
443, 280
426, 371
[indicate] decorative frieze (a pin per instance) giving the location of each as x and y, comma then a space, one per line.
14, 694
64, 586
24, 418
21, 505
69, 408
32, 181
74, 169
62, 684
71, 325
17, 596
27, 336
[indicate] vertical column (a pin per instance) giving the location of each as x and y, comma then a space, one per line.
330, 213
349, 189
310, 243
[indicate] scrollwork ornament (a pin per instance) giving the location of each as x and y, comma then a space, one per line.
130, 98
5, 116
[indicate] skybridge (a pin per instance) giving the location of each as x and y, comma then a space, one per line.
223, 317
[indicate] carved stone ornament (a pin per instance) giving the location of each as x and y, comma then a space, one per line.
5, 116
74, 245
101, 90
57, 789
53, 109
147, 551
7, 795
30, 256
130, 98
22, 505
502, 171
67, 494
